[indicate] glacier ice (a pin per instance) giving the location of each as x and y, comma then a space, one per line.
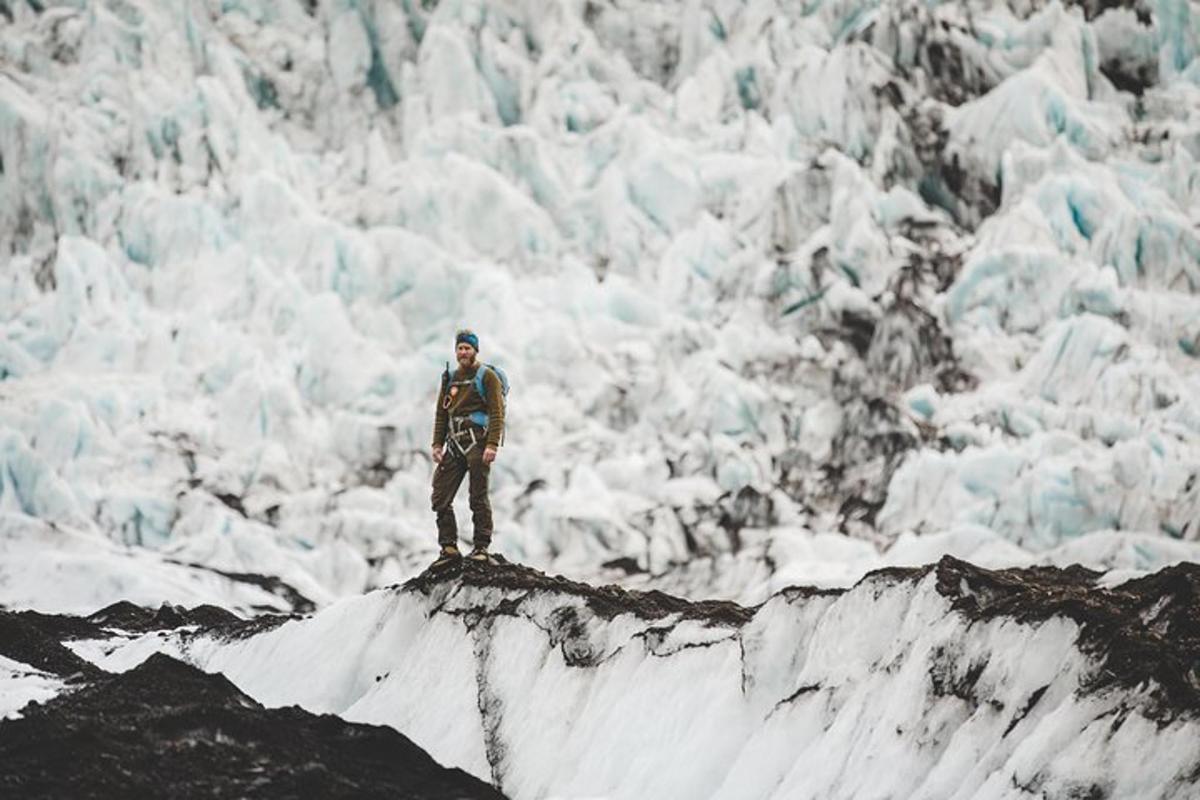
765, 276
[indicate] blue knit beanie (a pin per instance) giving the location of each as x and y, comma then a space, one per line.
467, 336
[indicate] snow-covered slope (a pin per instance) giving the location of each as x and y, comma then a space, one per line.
940, 682
764, 273
21, 684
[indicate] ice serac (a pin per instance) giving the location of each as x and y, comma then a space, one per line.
934, 682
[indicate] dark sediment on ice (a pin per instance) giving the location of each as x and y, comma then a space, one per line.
203, 619
1144, 633
605, 601
36, 639
1094, 8
134, 618
165, 729
296, 601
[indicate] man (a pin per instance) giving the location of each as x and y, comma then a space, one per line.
464, 446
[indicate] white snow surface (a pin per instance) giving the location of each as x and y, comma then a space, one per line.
21, 684
881, 691
236, 238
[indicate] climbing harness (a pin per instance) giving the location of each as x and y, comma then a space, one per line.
463, 436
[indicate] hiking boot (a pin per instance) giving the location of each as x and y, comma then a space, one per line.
449, 554
480, 554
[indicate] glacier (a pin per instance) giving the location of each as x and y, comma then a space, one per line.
955, 286
806, 305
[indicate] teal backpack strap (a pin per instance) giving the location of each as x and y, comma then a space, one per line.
480, 387
480, 418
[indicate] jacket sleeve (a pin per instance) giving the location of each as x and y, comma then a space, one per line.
441, 418
495, 408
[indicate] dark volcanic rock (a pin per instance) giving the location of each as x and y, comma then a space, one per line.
605, 601
129, 617
166, 729
36, 639
203, 619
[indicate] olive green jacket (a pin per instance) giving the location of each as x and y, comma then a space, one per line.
465, 400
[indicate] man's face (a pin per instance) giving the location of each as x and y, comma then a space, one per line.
465, 354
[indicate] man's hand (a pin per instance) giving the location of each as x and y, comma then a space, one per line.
489, 455
437, 454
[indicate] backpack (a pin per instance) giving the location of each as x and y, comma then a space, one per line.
480, 418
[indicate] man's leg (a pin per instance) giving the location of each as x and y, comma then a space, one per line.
447, 477
481, 506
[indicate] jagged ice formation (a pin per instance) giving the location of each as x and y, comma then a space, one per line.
764, 274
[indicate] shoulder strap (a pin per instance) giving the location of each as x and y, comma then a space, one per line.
480, 418
480, 385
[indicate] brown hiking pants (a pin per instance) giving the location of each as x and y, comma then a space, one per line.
447, 477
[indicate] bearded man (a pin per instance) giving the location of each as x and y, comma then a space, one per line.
467, 428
